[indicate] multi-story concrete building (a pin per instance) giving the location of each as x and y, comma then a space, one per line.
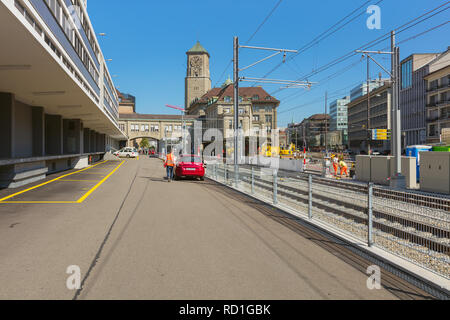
311, 131
380, 118
438, 101
413, 98
361, 90
339, 118
316, 128
58, 104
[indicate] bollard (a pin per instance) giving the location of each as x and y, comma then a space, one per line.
310, 195
253, 180
370, 215
275, 186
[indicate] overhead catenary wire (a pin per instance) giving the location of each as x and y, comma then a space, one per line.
264, 21
374, 42
400, 42
324, 35
250, 39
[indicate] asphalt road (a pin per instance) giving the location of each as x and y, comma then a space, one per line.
139, 237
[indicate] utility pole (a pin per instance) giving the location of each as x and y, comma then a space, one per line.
369, 136
326, 122
398, 180
236, 70
236, 107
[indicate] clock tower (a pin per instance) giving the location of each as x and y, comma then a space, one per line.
198, 80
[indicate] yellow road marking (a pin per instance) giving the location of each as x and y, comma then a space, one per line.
80, 180
39, 202
93, 173
45, 183
99, 184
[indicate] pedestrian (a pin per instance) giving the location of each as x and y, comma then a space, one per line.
169, 164
335, 161
344, 168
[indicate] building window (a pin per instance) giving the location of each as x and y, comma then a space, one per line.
407, 74
434, 84
227, 99
255, 97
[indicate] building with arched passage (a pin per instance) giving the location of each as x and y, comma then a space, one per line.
159, 130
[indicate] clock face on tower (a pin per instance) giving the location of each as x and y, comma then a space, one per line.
196, 66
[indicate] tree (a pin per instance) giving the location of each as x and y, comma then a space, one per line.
144, 144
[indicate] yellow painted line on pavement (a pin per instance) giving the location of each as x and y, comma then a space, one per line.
99, 184
45, 183
79, 180
93, 173
38, 202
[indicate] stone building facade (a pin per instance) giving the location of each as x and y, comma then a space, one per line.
198, 79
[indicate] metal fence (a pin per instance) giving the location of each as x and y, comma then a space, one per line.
416, 231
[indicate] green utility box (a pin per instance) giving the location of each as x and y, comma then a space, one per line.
441, 149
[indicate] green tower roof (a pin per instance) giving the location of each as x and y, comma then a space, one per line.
198, 48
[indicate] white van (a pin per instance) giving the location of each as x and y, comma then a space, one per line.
127, 153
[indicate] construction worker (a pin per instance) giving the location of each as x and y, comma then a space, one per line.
335, 162
344, 168
169, 164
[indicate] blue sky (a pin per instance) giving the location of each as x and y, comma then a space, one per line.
147, 41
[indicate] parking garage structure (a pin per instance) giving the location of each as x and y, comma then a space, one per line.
58, 105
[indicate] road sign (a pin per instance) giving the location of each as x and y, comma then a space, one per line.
381, 134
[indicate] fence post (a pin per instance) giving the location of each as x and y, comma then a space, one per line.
275, 186
253, 180
310, 195
370, 214
225, 173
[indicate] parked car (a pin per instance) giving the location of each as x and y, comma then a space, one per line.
127, 153
189, 166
